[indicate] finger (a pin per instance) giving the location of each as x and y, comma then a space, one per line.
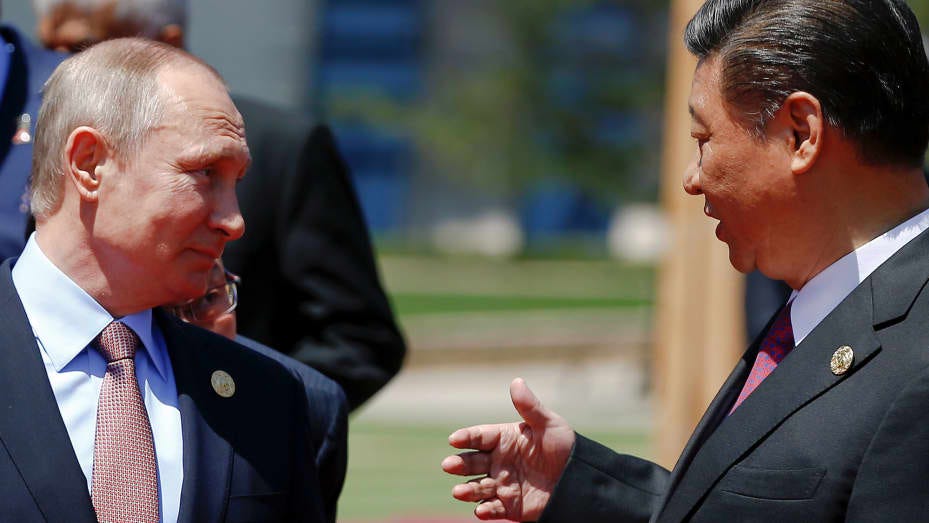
478, 437
475, 490
491, 509
467, 464
528, 405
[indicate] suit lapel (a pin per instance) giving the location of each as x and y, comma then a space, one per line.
714, 415
805, 374
31, 427
711, 419
206, 419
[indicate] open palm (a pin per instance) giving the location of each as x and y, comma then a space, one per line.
522, 461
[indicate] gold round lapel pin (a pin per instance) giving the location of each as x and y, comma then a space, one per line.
842, 360
222, 383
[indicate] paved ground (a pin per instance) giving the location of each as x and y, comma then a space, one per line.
589, 365
592, 392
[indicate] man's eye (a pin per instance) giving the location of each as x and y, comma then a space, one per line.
211, 297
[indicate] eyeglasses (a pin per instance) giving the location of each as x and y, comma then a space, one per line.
218, 300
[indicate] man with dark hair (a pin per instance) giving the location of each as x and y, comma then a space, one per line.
811, 119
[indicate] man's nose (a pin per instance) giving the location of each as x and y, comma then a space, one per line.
227, 217
692, 177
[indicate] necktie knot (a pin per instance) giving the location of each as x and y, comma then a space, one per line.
117, 342
777, 343
780, 338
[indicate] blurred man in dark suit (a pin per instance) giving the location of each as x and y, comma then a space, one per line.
24, 67
312, 290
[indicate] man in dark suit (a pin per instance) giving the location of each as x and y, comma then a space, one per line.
311, 288
811, 120
23, 69
115, 411
328, 408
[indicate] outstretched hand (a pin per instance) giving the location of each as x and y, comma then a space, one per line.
522, 461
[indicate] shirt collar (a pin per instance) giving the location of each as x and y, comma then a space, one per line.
64, 317
823, 293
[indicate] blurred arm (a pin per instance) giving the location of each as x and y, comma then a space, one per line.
328, 254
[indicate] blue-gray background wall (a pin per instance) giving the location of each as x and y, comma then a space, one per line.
262, 49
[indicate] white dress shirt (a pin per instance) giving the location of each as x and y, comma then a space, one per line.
65, 320
823, 293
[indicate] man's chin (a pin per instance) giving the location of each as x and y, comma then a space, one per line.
188, 290
741, 262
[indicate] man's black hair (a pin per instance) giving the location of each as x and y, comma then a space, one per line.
862, 59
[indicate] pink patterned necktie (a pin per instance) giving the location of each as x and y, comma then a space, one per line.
778, 342
125, 476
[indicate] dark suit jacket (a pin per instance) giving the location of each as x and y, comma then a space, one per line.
328, 416
310, 284
807, 445
246, 458
30, 66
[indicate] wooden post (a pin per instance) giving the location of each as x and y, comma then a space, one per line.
699, 320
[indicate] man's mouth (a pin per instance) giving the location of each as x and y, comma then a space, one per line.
708, 209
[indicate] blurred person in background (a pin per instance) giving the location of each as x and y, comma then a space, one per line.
24, 67
313, 288
328, 408
811, 122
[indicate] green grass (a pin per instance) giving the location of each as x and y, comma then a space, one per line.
425, 303
394, 470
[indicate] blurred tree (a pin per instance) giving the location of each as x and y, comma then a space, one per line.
539, 89
921, 8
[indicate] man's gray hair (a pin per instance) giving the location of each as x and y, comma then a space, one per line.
149, 15
112, 87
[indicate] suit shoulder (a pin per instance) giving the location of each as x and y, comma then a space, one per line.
41, 61
196, 350
312, 379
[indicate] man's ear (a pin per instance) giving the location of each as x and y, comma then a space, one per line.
802, 115
86, 152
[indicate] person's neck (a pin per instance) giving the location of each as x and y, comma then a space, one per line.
855, 207
68, 248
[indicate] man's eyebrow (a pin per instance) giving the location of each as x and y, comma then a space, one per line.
215, 154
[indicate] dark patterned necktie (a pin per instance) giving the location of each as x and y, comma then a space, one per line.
777, 343
125, 475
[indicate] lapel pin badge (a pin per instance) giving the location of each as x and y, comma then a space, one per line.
222, 383
23, 132
842, 360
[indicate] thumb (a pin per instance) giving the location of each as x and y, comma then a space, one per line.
528, 405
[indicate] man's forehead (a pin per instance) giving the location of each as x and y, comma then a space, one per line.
704, 84
196, 86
